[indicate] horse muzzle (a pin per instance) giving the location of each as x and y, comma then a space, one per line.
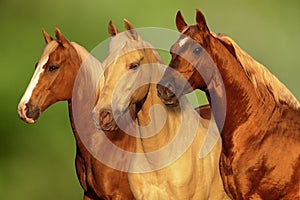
104, 120
167, 94
29, 113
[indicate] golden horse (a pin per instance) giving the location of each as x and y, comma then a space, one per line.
167, 164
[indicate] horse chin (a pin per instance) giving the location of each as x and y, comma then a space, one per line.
28, 120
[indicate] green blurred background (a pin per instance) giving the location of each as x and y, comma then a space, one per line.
37, 161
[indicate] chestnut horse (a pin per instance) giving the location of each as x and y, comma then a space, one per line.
53, 81
258, 117
167, 163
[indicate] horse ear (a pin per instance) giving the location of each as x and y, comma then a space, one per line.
47, 37
180, 23
130, 30
201, 22
112, 29
60, 38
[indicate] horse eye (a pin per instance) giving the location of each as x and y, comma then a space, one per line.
134, 66
197, 51
52, 68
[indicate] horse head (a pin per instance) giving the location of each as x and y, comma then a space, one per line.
53, 78
190, 66
125, 69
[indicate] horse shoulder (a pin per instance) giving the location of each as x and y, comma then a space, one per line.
273, 148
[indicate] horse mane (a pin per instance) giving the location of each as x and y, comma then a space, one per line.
49, 48
81, 51
89, 72
259, 74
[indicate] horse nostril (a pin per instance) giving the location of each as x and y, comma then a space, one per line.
170, 90
105, 117
32, 112
165, 90
159, 88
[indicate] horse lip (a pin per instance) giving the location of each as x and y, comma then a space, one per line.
170, 101
30, 120
111, 126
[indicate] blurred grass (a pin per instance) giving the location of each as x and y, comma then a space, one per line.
37, 161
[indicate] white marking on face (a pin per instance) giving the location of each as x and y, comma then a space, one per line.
34, 80
183, 41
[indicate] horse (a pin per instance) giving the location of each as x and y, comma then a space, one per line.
167, 163
57, 71
258, 117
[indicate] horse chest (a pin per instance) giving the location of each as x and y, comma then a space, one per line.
254, 166
171, 182
187, 178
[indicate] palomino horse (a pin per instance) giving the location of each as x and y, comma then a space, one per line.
53, 81
260, 157
167, 163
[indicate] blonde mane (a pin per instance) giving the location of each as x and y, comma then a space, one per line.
88, 74
81, 51
260, 75
49, 48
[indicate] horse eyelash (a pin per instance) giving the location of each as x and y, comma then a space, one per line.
134, 66
52, 68
197, 51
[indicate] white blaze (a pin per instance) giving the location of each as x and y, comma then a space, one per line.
183, 41
33, 82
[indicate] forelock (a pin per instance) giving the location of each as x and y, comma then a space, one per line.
49, 48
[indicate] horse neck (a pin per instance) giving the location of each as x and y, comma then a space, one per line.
249, 94
161, 133
241, 95
82, 54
